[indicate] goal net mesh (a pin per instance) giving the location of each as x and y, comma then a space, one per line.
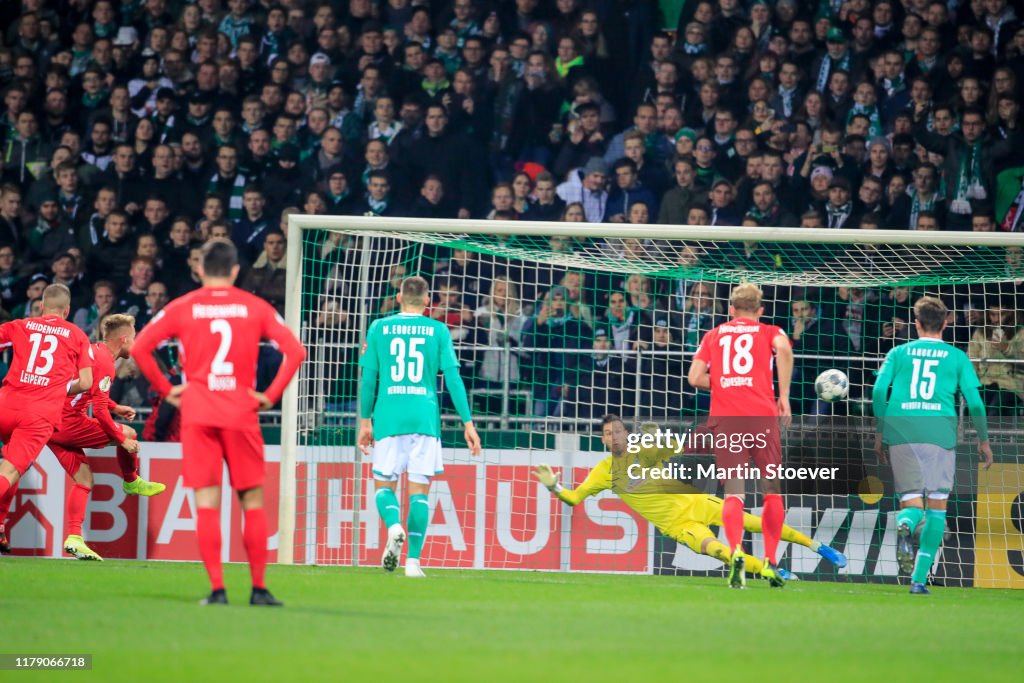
553, 332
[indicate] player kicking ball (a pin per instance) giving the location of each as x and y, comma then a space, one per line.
684, 517
220, 328
914, 400
78, 431
734, 362
401, 414
51, 358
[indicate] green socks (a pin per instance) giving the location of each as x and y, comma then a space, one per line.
931, 539
419, 518
911, 517
387, 506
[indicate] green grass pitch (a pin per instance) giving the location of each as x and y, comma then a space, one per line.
140, 621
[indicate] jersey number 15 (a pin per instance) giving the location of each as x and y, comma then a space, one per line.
922, 384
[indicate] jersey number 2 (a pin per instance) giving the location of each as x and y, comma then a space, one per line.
736, 356
43, 355
221, 365
415, 364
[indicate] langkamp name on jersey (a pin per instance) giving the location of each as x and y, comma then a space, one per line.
200, 311
927, 352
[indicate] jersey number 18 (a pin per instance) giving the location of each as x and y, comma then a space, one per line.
736, 356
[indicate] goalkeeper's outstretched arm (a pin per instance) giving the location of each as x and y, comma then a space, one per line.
598, 479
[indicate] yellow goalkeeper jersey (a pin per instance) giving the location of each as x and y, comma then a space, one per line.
670, 512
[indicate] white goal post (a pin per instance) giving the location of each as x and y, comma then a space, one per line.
956, 258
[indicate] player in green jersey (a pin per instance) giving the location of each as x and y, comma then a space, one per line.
917, 420
401, 416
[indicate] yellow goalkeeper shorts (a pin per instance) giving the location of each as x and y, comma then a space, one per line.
699, 513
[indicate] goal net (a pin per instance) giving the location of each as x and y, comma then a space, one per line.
559, 324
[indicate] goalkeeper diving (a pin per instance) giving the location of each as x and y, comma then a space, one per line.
683, 517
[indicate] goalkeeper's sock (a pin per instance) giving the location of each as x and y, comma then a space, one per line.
387, 506
911, 517
419, 517
791, 535
255, 538
931, 539
208, 535
752, 565
129, 464
772, 518
717, 550
732, 521
78, 499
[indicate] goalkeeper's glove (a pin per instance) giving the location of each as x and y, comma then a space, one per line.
545, 475
649, 427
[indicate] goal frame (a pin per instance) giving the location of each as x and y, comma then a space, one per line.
294, 277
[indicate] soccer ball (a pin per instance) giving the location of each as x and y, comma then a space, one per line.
832, 385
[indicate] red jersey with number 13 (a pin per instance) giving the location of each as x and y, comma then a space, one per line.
740, 357
220, 329
48, 353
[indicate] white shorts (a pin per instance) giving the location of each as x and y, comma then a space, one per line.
417, 454
919, 467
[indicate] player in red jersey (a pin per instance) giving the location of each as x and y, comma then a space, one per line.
220, 328
734, 362
51, 359
79, 431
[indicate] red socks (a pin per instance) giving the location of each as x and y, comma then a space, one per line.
6, 497
129, 464
255, 537
78, 499
208, 535
732, 520
772, 518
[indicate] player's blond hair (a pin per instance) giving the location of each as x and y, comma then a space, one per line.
414, 291
56, 298
115, 321
746, 298
931, 312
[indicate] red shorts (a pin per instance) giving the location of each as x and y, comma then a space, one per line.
74, 436
205, 449
24, 435
81, 432
741, 441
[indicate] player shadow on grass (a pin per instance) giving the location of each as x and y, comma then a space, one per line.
242, 600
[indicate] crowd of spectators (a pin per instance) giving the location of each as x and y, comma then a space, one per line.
550, 340
133, 130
